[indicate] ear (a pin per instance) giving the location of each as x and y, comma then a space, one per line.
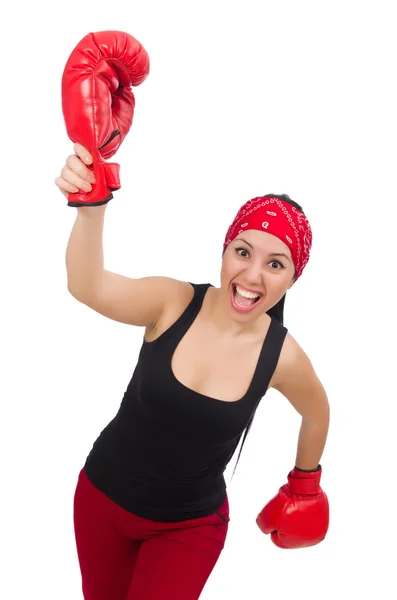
291, 284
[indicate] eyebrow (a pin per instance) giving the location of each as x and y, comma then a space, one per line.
272, 254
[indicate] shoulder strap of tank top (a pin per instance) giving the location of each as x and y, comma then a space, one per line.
276, 337
182, 323
200, 290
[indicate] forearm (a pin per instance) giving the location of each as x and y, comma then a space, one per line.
311, 443
84, 254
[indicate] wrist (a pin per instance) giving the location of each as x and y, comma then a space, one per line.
92, 212
308, 470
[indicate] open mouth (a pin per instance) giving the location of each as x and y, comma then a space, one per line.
244, 302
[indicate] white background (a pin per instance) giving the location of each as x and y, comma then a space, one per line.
244, 98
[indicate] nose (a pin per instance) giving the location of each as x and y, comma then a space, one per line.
253, 275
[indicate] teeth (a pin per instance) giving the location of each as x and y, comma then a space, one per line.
246, 294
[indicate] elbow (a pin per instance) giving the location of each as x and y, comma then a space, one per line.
73, 292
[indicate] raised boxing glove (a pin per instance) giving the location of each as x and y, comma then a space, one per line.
298, 516
98, 103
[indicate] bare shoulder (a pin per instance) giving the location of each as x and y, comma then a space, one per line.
178, 297
175, 293
296, 379
292, 358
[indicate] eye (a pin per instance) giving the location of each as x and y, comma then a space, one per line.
271, 262
278, 263
243, 249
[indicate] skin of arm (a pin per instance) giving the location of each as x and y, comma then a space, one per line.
299, 383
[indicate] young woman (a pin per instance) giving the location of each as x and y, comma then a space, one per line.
151, 510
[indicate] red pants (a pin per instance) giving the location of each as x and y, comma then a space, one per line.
126, 557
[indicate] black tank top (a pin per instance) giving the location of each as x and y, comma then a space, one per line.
164, 454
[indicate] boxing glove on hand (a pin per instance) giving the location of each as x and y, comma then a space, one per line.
98, 103
298, 516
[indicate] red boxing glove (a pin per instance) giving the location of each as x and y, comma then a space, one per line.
98, 103
298, 516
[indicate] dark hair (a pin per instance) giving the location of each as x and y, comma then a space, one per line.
285, 198
277, 311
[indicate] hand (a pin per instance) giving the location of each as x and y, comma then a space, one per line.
298, 516
76, 175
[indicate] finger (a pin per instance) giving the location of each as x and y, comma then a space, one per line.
73, 178
65, 187
82, 153
77, 166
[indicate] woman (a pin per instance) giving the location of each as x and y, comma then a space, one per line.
151, 510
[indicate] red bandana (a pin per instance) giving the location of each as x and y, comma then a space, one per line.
280, 219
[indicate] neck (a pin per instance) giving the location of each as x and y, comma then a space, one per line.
219, 311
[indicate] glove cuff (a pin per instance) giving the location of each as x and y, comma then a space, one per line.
308, 470
305, 482
107, 179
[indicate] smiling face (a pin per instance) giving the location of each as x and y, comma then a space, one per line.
259, 262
